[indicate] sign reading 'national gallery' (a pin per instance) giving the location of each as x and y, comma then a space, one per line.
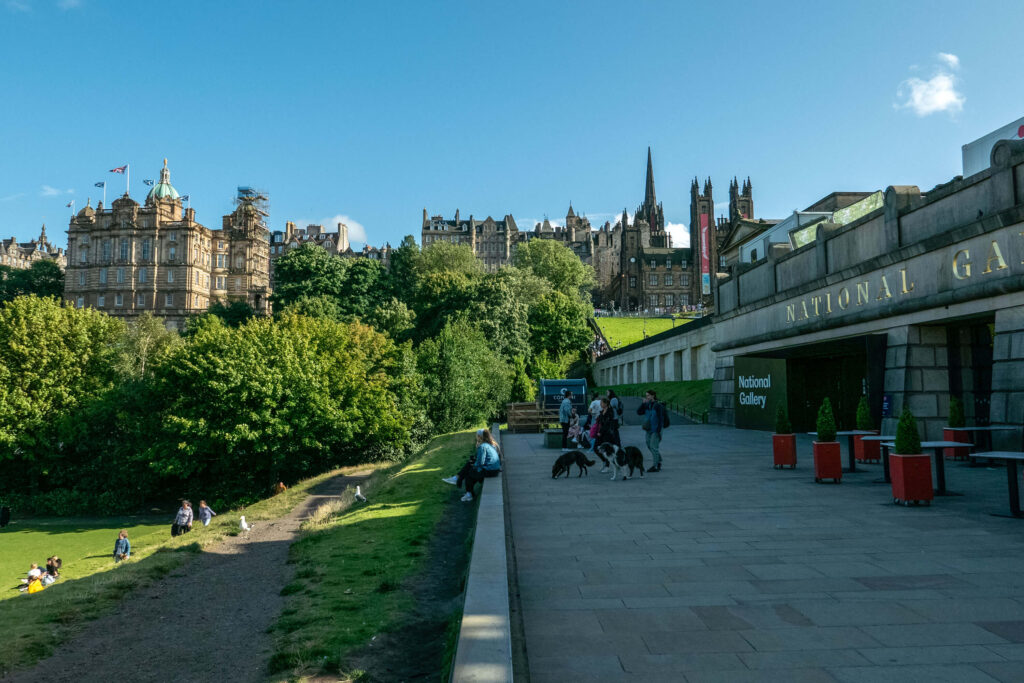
760, 390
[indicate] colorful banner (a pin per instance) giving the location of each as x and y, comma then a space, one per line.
705, 259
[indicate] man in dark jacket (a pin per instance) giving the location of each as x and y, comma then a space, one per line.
654, 420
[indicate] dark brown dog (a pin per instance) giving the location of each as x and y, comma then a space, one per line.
620, 458
567, 460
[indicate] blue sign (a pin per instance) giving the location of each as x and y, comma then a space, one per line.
887, 406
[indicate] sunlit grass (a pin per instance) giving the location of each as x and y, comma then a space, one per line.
619, 332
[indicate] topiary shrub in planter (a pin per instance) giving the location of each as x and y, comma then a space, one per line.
828, 462
910, 470
865, 451
783, 441
956, 420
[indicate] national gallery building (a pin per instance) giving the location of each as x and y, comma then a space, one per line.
909, 303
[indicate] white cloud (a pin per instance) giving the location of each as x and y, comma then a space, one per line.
951, 60
680, 235
18, 5
49, 191
356, 231
936, 94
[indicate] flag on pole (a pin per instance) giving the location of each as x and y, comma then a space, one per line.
119, 169
148, 182
100, 184
184, 198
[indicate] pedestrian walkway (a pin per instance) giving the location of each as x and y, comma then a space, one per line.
721, 568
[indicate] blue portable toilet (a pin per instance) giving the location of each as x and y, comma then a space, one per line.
551, 394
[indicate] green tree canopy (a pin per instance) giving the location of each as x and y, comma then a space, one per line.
308, 271
42, 278
446, 257
558, 323
557, 264
234, 313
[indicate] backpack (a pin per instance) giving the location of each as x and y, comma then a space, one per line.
618, 406
664, 415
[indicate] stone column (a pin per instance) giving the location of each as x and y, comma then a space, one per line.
917, 375
1007, 405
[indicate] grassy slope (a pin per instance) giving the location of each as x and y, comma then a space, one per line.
33, 626
694, 395
352, 562
621, 332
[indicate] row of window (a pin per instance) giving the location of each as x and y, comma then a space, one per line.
140, 301
142, 274
147, 252
669, 280
668, 264
668, 300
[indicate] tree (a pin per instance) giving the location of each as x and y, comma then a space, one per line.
42, 278
522, 389
308, 271
558, 323
319, 306
465, 379
143, 340
402, 269
557, 264
234, 313
393, 318
908, 440
826, 422
864, 414
364, 287
446, 257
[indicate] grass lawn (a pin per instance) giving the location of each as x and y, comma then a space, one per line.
619, 332
90, 583
694, 395
352, 561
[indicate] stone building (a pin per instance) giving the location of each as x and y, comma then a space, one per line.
22, 255
336, 243
155, 257
905, 297
491, 240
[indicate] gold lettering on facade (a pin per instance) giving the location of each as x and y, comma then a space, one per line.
862, 293
828, 302
903, 277
994, 255
816, 300
962, 271
885, 293
803, 305
844, 298
790, 313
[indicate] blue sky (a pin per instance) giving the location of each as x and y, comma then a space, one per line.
374, 111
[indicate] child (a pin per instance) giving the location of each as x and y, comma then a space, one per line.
205, 513
574, 427
34, 572
122, 547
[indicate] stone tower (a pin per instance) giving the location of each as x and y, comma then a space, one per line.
651, 212
741, 201
703, 243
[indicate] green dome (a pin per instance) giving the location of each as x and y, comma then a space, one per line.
163, 189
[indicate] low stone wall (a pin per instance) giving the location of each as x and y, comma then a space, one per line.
484, 650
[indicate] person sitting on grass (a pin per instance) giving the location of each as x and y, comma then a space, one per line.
485, 463
205, 513
52, 573
122, 547
35, 584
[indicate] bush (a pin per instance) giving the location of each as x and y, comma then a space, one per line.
908, 441
956, 413
864, 414
782, 425
826, 422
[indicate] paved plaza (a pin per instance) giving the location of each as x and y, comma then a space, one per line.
721, 568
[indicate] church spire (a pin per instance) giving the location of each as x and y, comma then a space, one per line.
649, 199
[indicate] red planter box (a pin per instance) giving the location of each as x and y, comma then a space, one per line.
866, 451
784, 450
828, 463
956, 453
911, 478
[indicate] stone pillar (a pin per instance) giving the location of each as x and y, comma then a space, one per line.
1007, 405
723, 401
917, 375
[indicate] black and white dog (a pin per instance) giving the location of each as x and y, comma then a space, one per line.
619, 459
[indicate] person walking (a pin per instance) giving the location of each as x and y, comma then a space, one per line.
486, 463
122, 547
205, 513
183, 520
653, 422
565, 417
607, 426
594, 409
616, 404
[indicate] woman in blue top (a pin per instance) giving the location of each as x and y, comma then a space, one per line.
485, 463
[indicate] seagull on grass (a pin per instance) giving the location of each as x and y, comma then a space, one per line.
359, 495
243, 525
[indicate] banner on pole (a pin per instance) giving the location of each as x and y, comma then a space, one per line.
705, 258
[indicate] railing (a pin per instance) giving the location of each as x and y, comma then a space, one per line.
696, 416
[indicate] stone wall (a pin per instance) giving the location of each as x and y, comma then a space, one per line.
1008, 376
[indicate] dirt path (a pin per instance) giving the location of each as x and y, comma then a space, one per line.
207, 621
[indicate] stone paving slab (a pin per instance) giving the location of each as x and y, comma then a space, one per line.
720, 568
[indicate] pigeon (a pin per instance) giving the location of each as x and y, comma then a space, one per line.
244, 525
359, 495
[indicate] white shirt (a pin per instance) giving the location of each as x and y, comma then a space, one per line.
595, 408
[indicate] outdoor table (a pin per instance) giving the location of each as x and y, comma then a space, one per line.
1013, 485
982, 430
940, 465
850, 433
885, 454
